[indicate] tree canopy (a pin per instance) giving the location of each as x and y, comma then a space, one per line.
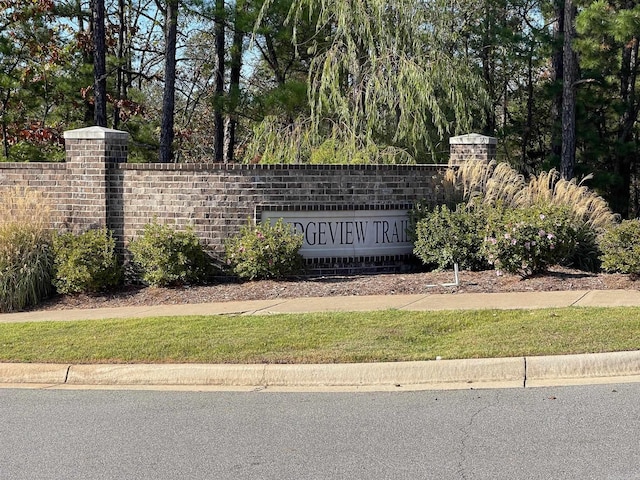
331, 81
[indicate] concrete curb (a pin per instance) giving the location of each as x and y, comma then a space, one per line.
506, 372
33, 373
553, 369
516, 372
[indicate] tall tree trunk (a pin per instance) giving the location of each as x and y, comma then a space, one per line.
5, 132
218, 107
626, 153
271, 56
527, 130
87, 56
488, 66
5, 140
120, 78
570, 71
169, 94
99, 64
558, 76
234, 83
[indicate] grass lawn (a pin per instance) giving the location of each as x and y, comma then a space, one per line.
325, 337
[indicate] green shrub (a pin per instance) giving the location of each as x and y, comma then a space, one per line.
420, 211
169, 257
530, 240
25, 266
587, 255
85, 262
444, 237
265, 251
494, 184
621, 248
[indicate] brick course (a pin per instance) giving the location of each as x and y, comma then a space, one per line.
471, 147
96, 187
51, 179
217, 199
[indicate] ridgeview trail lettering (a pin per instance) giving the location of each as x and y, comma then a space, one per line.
354, 232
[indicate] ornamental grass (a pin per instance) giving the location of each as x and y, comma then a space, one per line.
492, 183
26, 257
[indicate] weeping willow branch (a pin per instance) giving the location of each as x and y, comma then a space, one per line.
391, 71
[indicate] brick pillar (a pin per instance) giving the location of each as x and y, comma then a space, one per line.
471, 147
88, 154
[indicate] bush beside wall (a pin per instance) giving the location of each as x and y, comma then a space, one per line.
86, 262
165, 256
265, 251
621, 248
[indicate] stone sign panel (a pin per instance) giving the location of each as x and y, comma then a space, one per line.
348, 233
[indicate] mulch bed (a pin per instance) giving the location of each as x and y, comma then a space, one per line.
379, 284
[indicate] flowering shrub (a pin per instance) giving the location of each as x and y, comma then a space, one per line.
621, 248
444, 237
169, 257
529, 240
265, 251
85, 262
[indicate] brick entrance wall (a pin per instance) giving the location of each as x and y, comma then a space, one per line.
218, 199
96, 187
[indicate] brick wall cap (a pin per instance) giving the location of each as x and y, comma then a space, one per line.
473, 139
95, 133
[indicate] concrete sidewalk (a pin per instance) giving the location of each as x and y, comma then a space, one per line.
422, 302
437, 374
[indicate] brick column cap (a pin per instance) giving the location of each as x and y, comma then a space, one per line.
473, 139
95, 133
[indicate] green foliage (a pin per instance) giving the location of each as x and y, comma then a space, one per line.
144, 146
495, 184
342, 151
85, 262
265, 251
607, 120
421, 209
275, 140
278, 141
29, 152
169, 257
288, 99
529, 240
586, 255
388, 73
328, 152
621, 248
25, 265
444, 237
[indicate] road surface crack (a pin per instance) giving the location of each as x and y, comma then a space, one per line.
464, 430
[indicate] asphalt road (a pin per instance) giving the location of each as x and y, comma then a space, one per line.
538, 433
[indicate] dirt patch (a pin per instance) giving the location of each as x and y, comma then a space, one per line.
379, 284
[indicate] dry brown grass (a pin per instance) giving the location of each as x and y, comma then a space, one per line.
24, 206
492, 183
25, 257
487, 182
586, 205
